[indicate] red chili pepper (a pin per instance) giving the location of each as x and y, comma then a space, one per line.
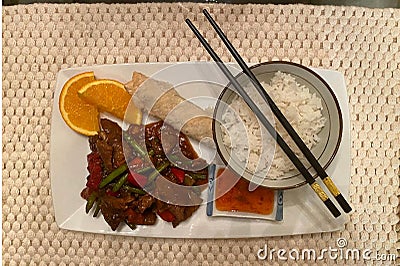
166, 216
179, 173
136, 179
95, 170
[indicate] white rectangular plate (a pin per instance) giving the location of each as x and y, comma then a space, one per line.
303, 211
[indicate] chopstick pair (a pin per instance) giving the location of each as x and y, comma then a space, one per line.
296, 138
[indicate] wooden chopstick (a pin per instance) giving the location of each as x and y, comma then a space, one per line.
297, 163
292, 133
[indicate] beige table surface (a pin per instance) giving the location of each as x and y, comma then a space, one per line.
40, 39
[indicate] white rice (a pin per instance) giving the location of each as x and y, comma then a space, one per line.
302, 109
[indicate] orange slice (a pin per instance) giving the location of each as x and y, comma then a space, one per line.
78, 114
110, 96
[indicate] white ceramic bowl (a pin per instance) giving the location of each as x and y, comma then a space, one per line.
330, 136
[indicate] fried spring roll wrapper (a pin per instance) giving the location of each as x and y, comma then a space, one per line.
160, 98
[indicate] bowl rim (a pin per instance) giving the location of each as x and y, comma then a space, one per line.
335, 151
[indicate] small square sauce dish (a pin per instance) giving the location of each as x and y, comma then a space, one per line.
229, 196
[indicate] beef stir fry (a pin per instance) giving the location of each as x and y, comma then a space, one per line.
115, 185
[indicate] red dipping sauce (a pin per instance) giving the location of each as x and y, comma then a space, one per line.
239, 198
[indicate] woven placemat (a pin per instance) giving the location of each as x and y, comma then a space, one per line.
41, 39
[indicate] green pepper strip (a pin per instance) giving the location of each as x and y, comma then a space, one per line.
134, 190
97, 210
197, 176
90, 202
113, 175
120, 182
158, 170
145, 169
135, 145
188, 181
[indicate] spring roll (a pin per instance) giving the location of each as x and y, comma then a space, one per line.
161, 100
